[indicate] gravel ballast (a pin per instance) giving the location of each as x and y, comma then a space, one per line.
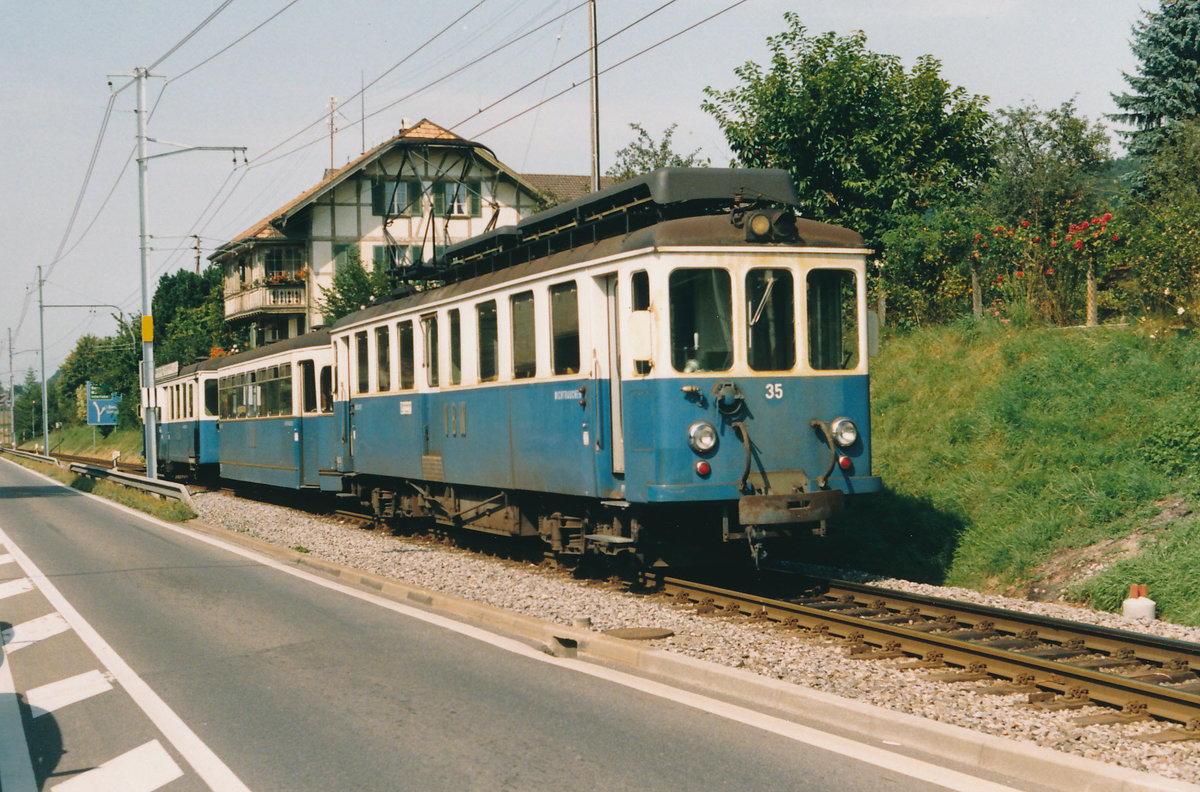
739, 642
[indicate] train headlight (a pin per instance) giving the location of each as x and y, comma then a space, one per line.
702, 437
845, 433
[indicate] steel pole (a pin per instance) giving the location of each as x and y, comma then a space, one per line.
149, 421
42, 355
595, 98
12, 395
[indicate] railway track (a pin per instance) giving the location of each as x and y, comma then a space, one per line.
125, 467
1056, 664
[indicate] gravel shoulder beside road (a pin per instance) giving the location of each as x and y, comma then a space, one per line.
765, 649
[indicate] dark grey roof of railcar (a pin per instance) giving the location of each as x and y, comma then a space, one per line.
707, 230
313, 339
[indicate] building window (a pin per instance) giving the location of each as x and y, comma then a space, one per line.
395, 198
457, 198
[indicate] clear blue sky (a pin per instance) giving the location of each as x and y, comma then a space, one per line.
279, 80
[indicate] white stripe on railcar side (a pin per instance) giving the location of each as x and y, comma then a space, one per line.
56, 695
144, 769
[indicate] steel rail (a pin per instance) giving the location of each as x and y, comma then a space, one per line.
1076, 683
166, 489
30, 455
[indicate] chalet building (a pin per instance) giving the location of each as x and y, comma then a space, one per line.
400, 203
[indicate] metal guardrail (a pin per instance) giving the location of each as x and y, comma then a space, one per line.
167, 489
30, 455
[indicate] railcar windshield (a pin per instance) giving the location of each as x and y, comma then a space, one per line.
770, 320
701, 320
832, 320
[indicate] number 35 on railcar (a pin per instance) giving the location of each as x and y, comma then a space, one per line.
668, 364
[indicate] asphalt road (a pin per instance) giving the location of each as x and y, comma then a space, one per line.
291, 685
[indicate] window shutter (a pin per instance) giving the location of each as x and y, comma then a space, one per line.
379, 256
439, 198
414, 198
414, 255
377, 197
476, 207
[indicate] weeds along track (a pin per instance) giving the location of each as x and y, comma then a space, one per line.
1056, 664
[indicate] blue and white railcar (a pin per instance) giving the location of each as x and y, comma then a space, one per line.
275, 408
187, 420
669, 361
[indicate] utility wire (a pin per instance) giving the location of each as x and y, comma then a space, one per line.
602, 71
234, 43
188, 37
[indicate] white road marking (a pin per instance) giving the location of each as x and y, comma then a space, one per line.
32, 631
144, 769
5, 558
56, 695
202, 759
16, 767
11, 588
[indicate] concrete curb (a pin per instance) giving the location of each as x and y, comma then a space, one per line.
1021, 761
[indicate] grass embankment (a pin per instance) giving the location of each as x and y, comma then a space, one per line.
163, 508
78, 440
1033, 462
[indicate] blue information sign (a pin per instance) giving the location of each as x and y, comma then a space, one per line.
101, 408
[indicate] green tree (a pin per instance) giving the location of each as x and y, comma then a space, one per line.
81, 366
1165, 89
863, 138
643, 155
353, 287
180, 291
27, 408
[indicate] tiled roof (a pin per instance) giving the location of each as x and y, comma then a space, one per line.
564, 187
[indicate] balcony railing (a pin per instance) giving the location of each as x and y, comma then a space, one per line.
266, 299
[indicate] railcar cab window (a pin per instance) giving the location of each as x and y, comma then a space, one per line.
832, 320
524, 346
363, 359
701, 320
429, 329
564, 328
489, 341
404, 344
770, 320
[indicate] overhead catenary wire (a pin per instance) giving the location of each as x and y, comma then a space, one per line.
605, 70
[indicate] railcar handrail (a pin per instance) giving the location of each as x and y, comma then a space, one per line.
167, 489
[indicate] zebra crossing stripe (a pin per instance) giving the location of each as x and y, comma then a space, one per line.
32, 631
144, 769
6, 558
56, 695
11, 588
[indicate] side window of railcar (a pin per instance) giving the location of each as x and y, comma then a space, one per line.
383, 369
832, 320
429, 329
564, 328
363, 359
326, 389
211, 402
489, 341
639, 283
524, 347
455, 348
770, 320
701, 320
404, 345
308, 387
191, 400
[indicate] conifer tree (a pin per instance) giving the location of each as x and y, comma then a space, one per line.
1166, 87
